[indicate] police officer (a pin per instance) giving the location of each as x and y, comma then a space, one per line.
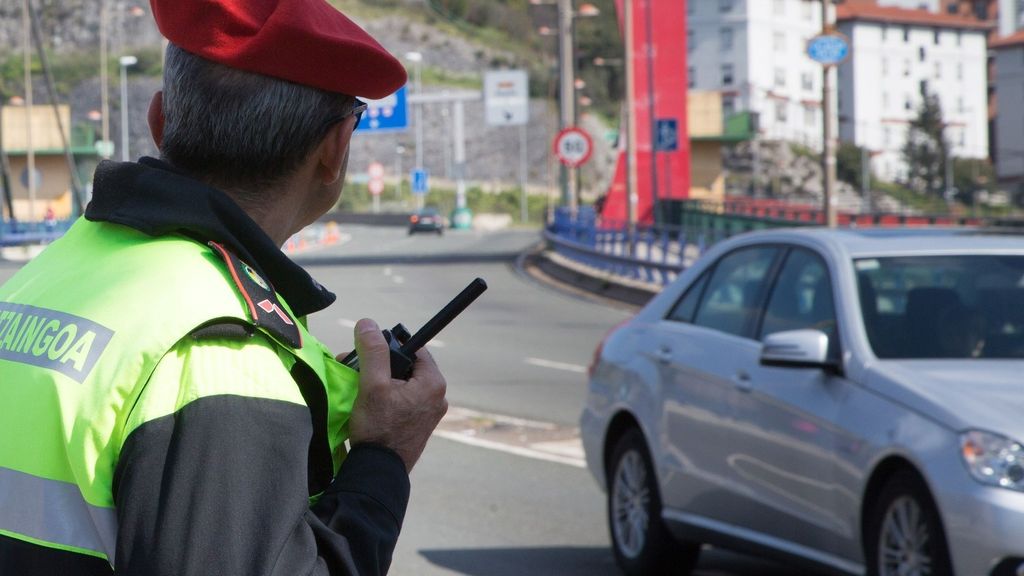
163, 409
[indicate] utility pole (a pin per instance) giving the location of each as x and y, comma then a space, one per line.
631, 159
29, 105
828, 163
104, 80
567, 94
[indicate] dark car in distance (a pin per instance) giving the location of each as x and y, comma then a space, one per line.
426, 220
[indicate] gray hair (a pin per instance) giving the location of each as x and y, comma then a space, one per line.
240, 130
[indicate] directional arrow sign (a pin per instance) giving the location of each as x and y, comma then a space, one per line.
506, 98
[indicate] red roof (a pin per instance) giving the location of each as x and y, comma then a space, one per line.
1008, 41
890, 15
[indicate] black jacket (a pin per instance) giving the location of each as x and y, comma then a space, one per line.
182, 479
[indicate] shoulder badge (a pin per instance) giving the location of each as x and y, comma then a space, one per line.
264, 308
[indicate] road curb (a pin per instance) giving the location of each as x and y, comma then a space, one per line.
547, 267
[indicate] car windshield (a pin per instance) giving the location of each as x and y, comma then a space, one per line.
964, 306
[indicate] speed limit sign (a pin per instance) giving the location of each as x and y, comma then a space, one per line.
573, 147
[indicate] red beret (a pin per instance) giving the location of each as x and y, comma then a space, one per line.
307, 42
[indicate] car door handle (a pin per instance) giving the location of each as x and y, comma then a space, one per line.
664, 354
742, 381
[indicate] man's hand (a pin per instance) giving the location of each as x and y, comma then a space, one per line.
397, 414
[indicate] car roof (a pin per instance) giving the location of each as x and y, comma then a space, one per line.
874, 242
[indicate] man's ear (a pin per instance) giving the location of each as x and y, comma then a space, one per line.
333, 151
156, 118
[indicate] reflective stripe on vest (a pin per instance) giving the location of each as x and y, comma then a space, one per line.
55, 512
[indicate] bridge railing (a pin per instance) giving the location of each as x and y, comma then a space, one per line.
658, 253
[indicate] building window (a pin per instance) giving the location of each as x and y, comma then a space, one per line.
938, 70
779, 41
724, 5
780, 111
936, 36
728, 106
780, 77
691, 41
922, 87
959, 71
810, 116
886, 136
906, 68
885, 66
959, 38
725, 36
906, 34
885, 32
908, 103
807, 81
726, 74
691, 74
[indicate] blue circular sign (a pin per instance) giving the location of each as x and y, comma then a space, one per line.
828, 49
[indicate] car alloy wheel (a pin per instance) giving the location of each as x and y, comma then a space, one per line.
630, 501
642, 544
905, 532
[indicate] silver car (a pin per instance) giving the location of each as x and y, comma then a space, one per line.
847, 401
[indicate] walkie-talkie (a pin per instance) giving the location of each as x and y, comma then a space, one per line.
404, 346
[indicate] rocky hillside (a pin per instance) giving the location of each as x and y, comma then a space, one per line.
455, 57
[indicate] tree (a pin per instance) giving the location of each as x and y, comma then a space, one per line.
926, 150
849, 164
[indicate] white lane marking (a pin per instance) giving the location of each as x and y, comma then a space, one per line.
455, 412
398, 279
517, 450
556, 365
387, 271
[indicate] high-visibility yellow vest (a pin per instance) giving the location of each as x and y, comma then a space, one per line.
82, 328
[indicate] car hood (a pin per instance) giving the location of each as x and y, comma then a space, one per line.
960, 394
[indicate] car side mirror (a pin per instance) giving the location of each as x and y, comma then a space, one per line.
797, 349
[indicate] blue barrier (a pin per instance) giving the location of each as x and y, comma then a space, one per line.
23, 233
657, 253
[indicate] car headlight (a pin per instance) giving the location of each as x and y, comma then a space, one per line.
992, 459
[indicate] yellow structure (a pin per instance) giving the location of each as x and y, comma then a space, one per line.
53, 177
704, 118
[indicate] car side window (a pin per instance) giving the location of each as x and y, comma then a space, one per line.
802, 297
687, 305
734, 291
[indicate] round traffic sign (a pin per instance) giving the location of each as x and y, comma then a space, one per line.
828, 49
573, 147
376, 186
375, 170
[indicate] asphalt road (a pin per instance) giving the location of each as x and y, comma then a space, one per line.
498, 507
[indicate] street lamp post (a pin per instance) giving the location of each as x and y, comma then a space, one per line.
417, 59
125, 62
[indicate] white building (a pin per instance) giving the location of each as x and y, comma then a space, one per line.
896, 55
1009, 152
753, 53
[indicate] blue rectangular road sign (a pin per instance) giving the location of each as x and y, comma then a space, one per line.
420, 181
666, 135
389, 114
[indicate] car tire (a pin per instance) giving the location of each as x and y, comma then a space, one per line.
904, 532
642, 544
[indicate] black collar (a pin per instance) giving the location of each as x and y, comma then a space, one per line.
156, 199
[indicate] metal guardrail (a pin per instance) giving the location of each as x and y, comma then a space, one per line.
23, 233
